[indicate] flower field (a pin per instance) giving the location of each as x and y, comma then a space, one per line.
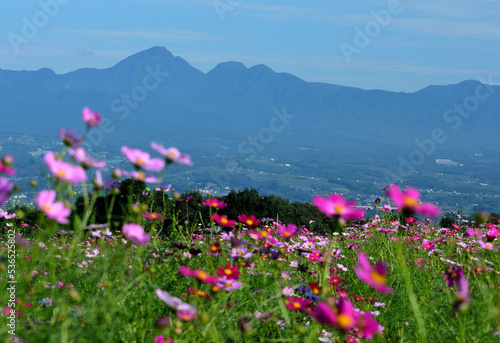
392, 275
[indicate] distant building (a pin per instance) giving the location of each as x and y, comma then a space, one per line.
446, 162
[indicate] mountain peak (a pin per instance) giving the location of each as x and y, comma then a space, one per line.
231, 67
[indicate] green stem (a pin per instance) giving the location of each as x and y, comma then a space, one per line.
411, 295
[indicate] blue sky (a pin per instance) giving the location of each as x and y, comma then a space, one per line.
398, 45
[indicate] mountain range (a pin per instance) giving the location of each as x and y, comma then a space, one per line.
238, 115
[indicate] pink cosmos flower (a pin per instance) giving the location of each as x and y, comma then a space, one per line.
336, 206
487, 246
428, 245
142, 160
5, 164
249, 220
153, 216
215, 203
462, 297
230, 272
5, 188
343, 317
52, 209
409, 201
80, 156
64, 171
373, 276
222, 220
185, 312
297, 304
367, 326
139, 175
91, 118
287, 232
172, 154
199, 274
135, 233
228, 284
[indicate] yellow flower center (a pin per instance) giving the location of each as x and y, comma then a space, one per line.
410, 202
227, 271
224, 220
344, 321
47, 207
296, 304
377, 277
249, 222
61, 173
140, 161
338, 208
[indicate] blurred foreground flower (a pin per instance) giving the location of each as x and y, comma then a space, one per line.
135, 233
64, 171
373, 276
52, 209
142, 160
336, 206
172, 154
5, 188
409, 201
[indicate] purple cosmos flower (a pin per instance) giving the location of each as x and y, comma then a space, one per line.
69, 138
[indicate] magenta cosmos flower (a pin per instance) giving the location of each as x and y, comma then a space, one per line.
336, 206
222, 220
52, 209
215, 203
288, 231
409, 201
343, 317
135, 233
172, 154
373, 276
297, 304
250, 220
199, 274
5, 188
91, 118
142, 160
64, 171
5, 164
